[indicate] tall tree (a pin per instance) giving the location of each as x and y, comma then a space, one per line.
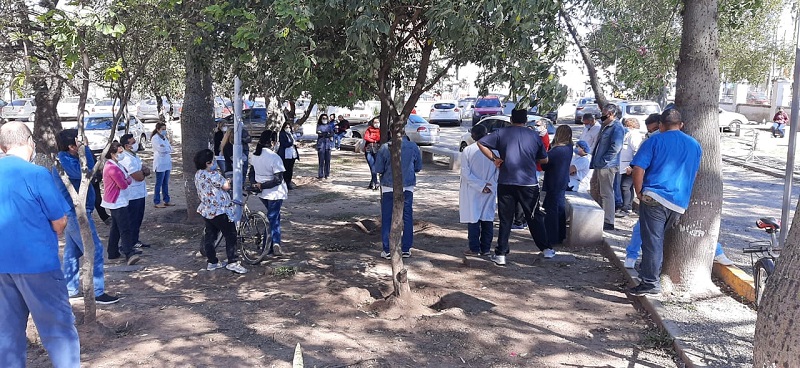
689, 254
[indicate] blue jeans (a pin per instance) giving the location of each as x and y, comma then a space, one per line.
337, 140
480, 236
555, 218
618, 199
408, 220
371, 162
324, 156
136, 213
274, 217
162, 187
73, 251
635, 246
654, 220
120, 240
44, 296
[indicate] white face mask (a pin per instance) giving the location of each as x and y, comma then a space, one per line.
224, 129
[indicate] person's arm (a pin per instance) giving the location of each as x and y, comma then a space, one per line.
127, 163
490, 155
246, 138
474, 182
54, 206
161, 145
380, 157
59, 225
617, 136
118, 177
417, 158
573, 170
638, 180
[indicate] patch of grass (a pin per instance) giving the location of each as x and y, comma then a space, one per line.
284, 271
656, 338
345, 216
324, 197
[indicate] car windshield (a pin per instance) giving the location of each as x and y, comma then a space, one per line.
100, 123
70, 100
586, 101
104, 103
488, 102
19, 102
416, 119
444, 105
642, 109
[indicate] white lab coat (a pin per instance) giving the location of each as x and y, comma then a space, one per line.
161, 154
476, 172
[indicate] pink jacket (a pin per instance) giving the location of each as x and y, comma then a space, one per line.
114, 181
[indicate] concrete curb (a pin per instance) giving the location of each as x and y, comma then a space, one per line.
690, 357
739, 281
780, 174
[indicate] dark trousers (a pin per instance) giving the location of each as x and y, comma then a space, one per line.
654, 219
407, 240
98, 200
480, 236
136, 213
120, 240
519, 216
555, 219
288, 164
507, 198
324, 156
214, 226
626, 185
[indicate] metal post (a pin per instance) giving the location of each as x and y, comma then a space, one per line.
237, 147
793, 123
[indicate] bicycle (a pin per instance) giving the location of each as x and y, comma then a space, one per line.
768, 253
253, 240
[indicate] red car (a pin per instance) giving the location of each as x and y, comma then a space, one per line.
486, 106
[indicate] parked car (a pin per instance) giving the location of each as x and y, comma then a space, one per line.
148, 109
493, 123
465, 104
638, 110
417, 129
584, 106
731, 121
486, 106
757, 98
21, 109
445, 112
98, 130
255, 120
68, 107
357, 114
105, 107
177, 109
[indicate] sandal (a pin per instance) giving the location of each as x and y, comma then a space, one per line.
160, 206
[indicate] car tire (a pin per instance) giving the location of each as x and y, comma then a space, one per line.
462, 147
142, 142
356, 134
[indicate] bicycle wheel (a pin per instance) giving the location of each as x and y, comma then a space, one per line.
761, 272
254, 240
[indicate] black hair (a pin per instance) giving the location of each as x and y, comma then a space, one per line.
202, 158
653, 118
158, 126
319, 120
478, 132
125, 138
266, 140
671, 117
113, 148
613, 108
66, 138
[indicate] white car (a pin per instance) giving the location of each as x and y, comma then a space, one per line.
495, 122
21, 109
98, 130
68, 107
105, 107
638, 110
731, 121
148, 109
445, 112
358, 114
417, 129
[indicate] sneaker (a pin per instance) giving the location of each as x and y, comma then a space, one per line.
486, 254
630, 263
607, 227
141, 245
276, 250
498, 260
158, 205
76, 296
519, 226
236, 267
136, 251
407, 254
105, 299
214, 266
621, 213
644, 289
132, 260
168, 204
549, 253
386, 255
471, 253
723, 260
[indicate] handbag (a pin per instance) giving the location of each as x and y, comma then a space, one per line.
360, 146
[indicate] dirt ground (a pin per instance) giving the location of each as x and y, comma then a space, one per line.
569, 311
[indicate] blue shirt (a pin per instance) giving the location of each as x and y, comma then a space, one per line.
520, 148
72, 167
410, 163
29, 200
670, 161
556, 170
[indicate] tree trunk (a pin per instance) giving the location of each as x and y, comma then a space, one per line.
689, 247
777, 338
159, 106
46, 122
196, 121
399, 273
587, 60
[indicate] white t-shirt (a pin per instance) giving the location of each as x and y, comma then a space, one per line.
132, 163
579, 182
266, 166
590, 135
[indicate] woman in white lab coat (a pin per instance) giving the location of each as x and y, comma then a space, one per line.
162, 164
477, 197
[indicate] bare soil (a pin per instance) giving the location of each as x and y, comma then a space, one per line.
327, 293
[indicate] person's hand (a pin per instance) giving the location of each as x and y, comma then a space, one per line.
486, 188
497, 162
146, 171
628, 170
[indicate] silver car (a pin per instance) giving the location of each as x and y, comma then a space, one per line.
148, 109
586, 105
417, 129
638, 110
98, 130
21, 109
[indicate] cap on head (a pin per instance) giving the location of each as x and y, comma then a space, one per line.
519, 116
584, 146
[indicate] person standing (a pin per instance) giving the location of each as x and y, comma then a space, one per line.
630, 144
519, 215
116, 180
664, 171
590, 130
410, 165
162, 165
31, 280
137, 191
605, 160
73, 248
324, 145
520, 149
216, 208
579, 172
219, 134
267, 174
556, 180
372, 141
477, 196
287, 151
342, 127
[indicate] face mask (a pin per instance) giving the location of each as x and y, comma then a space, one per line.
324, 121
213, 166
162, 132
225, 129
603, 118
577, 151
